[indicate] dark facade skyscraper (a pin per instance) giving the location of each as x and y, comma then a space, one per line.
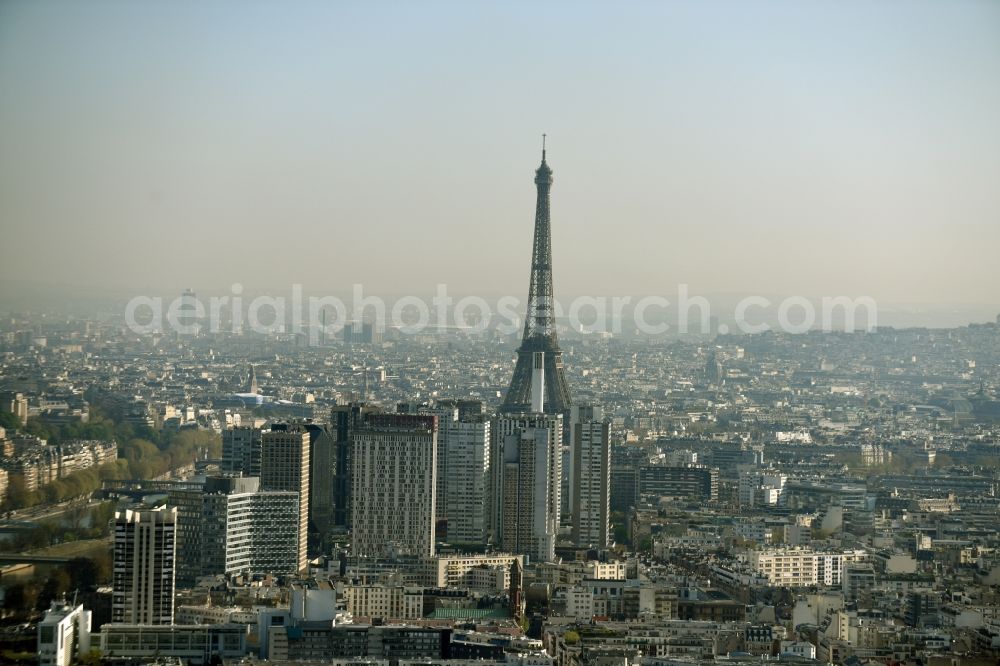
241, 450
284, 466
322, 455
539, 321
344, 420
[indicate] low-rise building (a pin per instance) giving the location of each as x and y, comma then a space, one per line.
801, 567
64, 633
195, 644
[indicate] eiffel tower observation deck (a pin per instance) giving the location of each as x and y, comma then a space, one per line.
539, 321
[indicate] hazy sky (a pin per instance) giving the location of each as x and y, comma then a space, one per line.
814, 148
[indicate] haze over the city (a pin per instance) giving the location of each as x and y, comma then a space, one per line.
552, 333
816, 149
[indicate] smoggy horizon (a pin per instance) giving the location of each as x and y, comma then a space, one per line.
829, 149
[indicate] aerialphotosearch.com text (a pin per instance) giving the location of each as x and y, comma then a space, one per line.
319, 317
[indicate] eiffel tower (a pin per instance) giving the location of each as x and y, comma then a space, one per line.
539, 321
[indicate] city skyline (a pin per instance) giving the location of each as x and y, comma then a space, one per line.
274, 388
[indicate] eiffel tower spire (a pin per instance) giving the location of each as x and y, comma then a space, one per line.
539, 321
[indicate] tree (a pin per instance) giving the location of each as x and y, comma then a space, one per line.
18, 495
19, 598
40, 430
83, 572
571, 637
92, 658
943, 460
55, 587
9, 420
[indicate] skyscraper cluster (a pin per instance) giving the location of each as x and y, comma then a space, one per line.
389, 485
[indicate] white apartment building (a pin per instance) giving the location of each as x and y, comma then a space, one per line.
63, 634
591, 484
143, 573
394, 602
761, 487
529, 517
500, 455
802, 649
605, 570
800, 567
454, 570
579, 602
464, 469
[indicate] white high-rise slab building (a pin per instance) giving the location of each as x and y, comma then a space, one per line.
591, 483
527, 522
446, 413
394, 485
143, 576
467, 446
501, 455
578, 414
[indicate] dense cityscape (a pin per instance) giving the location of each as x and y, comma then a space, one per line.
393, 497
449, 333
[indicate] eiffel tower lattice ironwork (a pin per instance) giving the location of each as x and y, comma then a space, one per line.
539, 321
